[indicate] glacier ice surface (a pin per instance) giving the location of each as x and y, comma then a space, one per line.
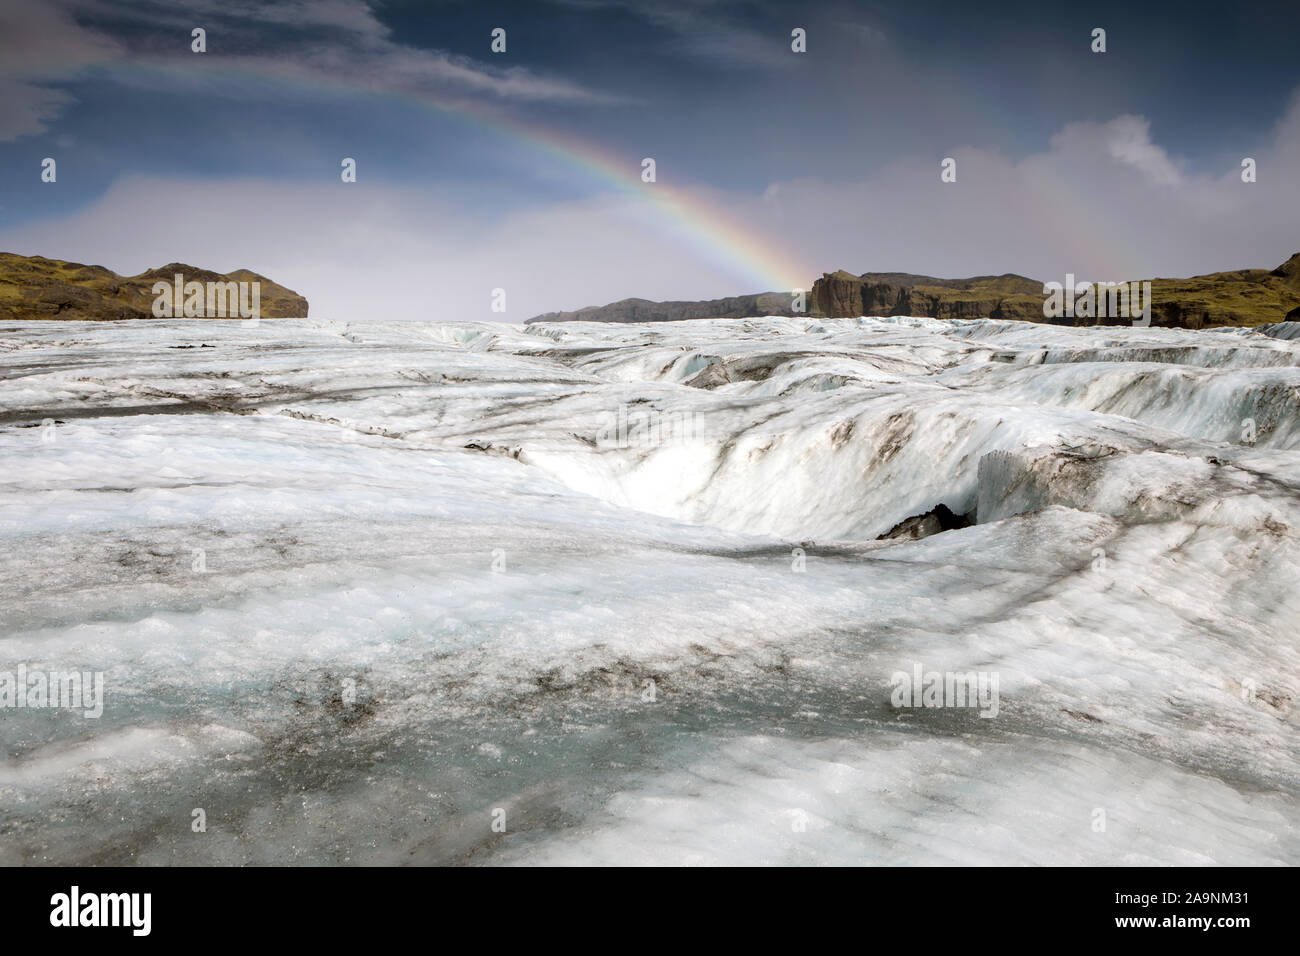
360, 590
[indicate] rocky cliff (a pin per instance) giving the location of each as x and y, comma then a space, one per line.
1246, 297
894, 293
32, 287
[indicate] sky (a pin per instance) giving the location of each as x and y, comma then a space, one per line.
522, 170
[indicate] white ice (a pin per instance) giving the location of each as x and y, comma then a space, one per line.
360, 591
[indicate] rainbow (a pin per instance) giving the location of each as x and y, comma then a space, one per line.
683, 214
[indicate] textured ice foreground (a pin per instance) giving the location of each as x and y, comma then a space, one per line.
356, 588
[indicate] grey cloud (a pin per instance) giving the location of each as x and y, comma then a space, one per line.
335, 41
41, 43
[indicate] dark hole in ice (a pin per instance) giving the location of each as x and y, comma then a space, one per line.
937, 519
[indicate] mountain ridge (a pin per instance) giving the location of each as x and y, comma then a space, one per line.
1241, 297
646, 310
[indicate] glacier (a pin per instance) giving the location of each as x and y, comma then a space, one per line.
580, 593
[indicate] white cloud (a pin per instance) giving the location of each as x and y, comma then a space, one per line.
1128, 139
869, 36
27, 109
1102, 201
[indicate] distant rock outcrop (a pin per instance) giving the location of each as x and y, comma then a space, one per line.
838, 294
1246, 297
644, 310
1289, 270
32, 287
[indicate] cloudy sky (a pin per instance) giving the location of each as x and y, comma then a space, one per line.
521, 170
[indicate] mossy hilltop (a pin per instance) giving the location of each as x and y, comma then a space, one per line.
33, 287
